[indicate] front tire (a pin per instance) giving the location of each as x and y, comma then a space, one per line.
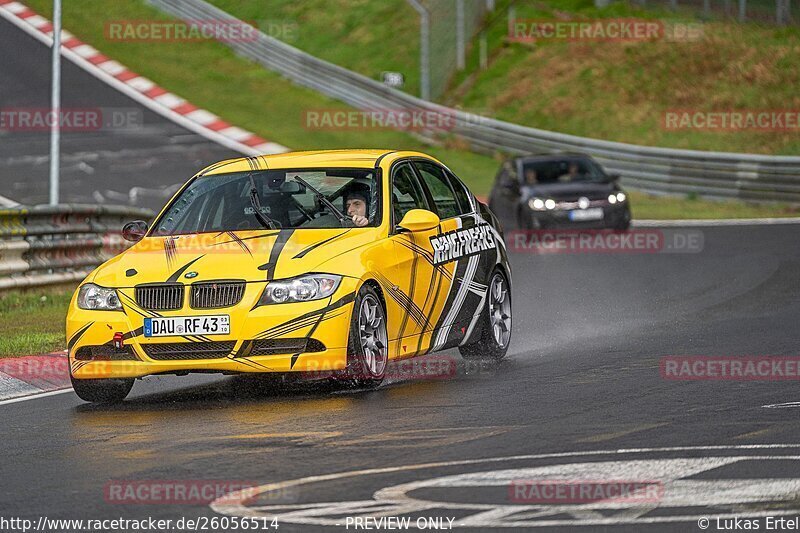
102, 390
494, 322
368, 344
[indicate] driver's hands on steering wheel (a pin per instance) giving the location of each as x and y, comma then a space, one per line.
360, 221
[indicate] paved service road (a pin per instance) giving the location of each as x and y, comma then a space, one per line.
97, 166
582, 380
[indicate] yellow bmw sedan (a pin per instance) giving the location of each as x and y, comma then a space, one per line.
325, 262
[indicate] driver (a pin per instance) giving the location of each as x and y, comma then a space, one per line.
356, 204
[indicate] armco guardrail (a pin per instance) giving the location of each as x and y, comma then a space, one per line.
660, 170
46, 245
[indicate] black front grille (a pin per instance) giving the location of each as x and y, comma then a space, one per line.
213, 295
105, 352
283, 346
159, 297
188, 350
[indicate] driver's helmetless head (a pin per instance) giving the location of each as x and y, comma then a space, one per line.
356, 203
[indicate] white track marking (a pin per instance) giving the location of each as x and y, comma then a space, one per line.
35, 396
7, 202
782, 405
729, 491
717, 222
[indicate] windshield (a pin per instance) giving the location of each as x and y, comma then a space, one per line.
562, 171
224, 202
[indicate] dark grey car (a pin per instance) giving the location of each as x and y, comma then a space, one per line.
558, 191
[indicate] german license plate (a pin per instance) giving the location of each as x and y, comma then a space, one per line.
187, 325
594, 213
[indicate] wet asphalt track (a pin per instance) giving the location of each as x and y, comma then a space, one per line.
582, 375
100, 166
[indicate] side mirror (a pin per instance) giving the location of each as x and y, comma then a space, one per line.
134, 231
613, 177
419, 220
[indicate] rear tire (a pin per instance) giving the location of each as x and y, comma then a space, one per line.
102, 390
494, 322
367, 345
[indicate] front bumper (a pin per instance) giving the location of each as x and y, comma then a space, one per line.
613, 216
326, 321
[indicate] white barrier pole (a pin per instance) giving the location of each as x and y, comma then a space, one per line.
55, 131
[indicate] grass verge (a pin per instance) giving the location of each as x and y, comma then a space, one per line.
32, 321
648, 206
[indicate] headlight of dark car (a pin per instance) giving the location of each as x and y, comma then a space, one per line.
615, 198
539, 204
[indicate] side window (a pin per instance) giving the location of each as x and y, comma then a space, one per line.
506, 175
440, 189
406, 192
462, 196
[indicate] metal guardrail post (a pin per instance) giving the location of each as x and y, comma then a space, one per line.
461, 36
424, 49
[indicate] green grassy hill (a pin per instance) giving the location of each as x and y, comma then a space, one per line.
620, 90
367, 36
610, 90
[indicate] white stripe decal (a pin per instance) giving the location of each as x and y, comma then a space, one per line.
475, 318
441, 336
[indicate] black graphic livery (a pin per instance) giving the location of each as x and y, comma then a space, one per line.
462, 243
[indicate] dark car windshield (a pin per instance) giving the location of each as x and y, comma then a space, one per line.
562, 171
223, 202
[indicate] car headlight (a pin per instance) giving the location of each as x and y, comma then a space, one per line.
550, 203
95, 297
536, 203
300, 289
612, 198
621, 197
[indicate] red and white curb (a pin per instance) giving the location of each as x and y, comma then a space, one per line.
31, 376
138, 87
